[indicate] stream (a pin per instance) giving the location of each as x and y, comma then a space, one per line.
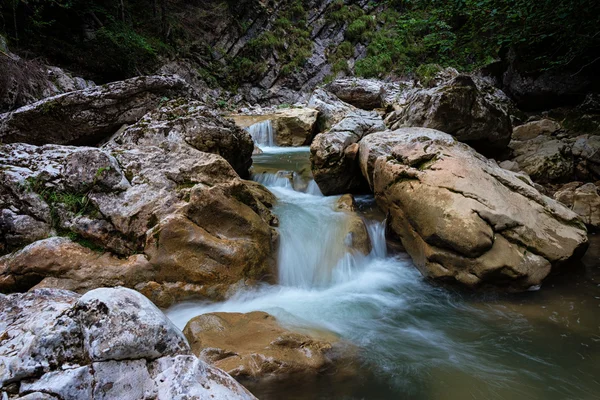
415, 340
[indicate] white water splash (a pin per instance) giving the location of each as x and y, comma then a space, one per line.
262, 133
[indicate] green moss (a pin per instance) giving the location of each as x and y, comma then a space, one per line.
426, 72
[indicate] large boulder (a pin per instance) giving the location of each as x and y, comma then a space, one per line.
192, 226
362, 93
292, 126
334, 154
583, 199
464, 219
544, 158
107, 344
331, 109
87, 116
192, 123
533, 129
254, 346
463, 109
586, 151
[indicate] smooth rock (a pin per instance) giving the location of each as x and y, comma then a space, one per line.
334, 154
253, 345
462, 218
533, 129
583, 199
293, 126
331, 109
362, 93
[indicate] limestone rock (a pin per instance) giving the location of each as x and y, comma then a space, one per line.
253, 345
334, 154
331, 109
463, 218
534, 129
586, 150
87, 116
543, 158
191, 123
357, 238
362, 93
295, 126
110, 343
182, 220
460, 108
583, 199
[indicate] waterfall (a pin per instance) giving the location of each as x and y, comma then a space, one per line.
262, 133
376, 231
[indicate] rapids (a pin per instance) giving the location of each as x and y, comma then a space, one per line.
416, 340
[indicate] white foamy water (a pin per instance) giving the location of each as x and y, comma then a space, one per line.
416, 340
262, 133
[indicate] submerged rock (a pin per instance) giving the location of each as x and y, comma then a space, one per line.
470, 112
357, 239
107, 344
87, 116
292, 126
255, 346
463, 218
334, 154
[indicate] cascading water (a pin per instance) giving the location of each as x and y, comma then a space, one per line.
262, 133
417, 341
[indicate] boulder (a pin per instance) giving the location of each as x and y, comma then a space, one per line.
292, 126
254, 346
544, 158
362, 93
107, 344
533, 129
463, 109
464, 219
586, 151
583, 199
331, 109
181, 219
334, 154
89, 115
191, 123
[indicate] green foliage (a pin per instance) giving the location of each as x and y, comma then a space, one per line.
426, 72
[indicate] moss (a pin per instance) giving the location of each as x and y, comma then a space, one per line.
426, 72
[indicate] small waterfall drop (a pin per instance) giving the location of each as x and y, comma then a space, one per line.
262, 133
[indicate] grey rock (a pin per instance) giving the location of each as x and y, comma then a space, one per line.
362, 93
461, 108
334, 154
87, 116
544, 158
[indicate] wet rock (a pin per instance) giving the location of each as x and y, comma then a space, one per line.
334, 154
292, 126
534, 129
464, 219
87, 116
544, 158
253, 345
362, 93
583, 199
460, 107
110, 343
357, 238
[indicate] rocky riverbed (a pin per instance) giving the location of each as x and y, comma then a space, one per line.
379, 239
